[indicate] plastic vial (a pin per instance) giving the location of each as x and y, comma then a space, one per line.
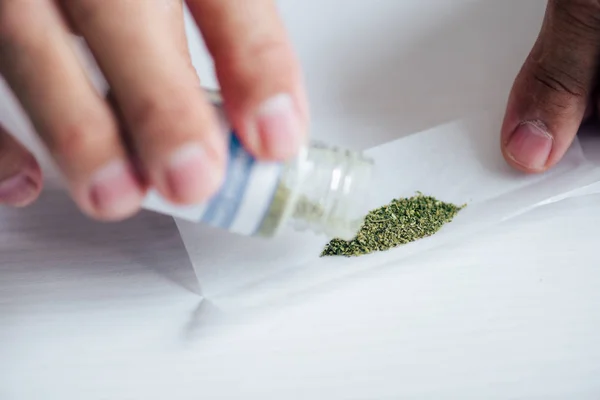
324, 190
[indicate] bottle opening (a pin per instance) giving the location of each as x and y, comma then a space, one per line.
333, 191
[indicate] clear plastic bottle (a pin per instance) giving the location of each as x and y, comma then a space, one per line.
324, 190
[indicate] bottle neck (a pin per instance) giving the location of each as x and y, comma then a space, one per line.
331, 193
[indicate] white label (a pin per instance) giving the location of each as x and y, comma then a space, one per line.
242, 202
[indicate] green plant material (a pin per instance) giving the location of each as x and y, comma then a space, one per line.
304, 210
401, 221
274, 217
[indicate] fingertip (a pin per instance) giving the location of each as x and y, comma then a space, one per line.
275, 130
115, 192
192, 174
259, 74
529, 146
550, 96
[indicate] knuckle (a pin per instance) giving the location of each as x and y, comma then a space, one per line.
70, 140
82, 139
588, 5
557, 79
269, 53
546, 89
83, 11
164, 116
564, 60
266, 49
578, 16
262, 59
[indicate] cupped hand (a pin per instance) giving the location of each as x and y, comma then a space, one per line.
165, 134
557, 87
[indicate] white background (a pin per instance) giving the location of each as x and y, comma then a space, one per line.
90, 311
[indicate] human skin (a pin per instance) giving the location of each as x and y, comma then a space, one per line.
556, 89
159, 131
174, 145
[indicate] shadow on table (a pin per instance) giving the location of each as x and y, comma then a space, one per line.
206, 319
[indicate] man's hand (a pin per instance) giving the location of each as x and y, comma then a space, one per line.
165, 134
556, 87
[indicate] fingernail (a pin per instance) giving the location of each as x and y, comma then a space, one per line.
277, 127
114, 190
530, 145
192, 175
18, 190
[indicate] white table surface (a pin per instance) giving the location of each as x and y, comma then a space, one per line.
95, 311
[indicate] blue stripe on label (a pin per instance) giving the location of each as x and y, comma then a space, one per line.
223, 207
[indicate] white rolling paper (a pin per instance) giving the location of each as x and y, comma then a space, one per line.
458, 162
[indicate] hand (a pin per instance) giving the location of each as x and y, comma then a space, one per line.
164, 122
556, 88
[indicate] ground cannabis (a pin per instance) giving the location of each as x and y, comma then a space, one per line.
302, 209
401, 221
274, 217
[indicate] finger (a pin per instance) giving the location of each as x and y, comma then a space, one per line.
550, 94
140, 46
38, 62
68, 22
20, 174
258, 72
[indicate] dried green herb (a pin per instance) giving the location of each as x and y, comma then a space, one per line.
401, 221
274, 217
303, 209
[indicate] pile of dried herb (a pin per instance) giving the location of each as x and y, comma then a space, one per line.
400, 222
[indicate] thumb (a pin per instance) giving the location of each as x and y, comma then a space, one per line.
550, 94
